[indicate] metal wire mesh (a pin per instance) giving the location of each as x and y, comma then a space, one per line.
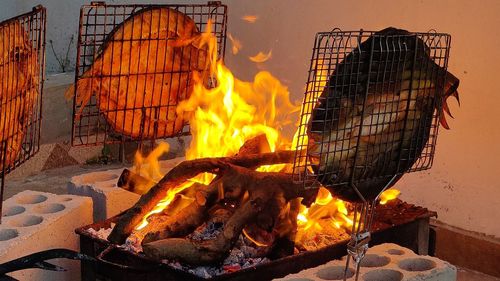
120, 108
22, 70
371, 109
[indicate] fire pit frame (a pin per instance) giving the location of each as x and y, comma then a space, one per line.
119, 264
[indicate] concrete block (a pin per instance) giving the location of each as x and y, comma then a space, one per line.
109, 200
33, 221
386, 262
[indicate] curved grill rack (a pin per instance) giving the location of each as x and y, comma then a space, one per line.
99, 20
22, 73
338, 90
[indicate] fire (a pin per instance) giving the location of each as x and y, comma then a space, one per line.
261, 57
388, 195
149, 167
325, 206
250, 18
224, 117
235, 44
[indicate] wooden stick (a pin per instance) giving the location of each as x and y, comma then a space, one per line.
187, 219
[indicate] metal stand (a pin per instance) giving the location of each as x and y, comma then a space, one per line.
361, 230
360, 237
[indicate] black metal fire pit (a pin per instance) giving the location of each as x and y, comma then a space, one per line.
397, 222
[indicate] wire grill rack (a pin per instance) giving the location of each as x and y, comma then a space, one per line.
103, 120
371, 109
22, 73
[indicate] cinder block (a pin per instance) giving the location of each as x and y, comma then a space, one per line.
386, 262
34, 221
109, 200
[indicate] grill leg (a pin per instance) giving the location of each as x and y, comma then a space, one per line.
423, 237
87, 268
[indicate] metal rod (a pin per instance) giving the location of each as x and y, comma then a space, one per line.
2, 177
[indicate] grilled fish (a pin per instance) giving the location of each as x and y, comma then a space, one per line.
372, 121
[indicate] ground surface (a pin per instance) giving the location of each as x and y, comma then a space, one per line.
469, 275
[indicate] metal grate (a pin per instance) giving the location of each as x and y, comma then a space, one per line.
119, 108
22, 73
371, 109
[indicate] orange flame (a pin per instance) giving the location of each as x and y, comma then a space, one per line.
149, 167
222, 118
261, 57
388, 195
235, 44
250, 18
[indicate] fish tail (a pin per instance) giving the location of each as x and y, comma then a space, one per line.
80, 94
450, 90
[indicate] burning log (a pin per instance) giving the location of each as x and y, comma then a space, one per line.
134, 182
189, 169
263, 189
256, 145
187, 219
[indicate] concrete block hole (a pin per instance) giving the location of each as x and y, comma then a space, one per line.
372, 260
49, 208
334, 273
24, 221
31, 199
395, 252
13, 210
7, 234
416, 264
383, 275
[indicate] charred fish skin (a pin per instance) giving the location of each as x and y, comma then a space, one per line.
142, 71
386, 125
19, 88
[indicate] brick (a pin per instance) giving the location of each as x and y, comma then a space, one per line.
34, 221
109, 200
386, 262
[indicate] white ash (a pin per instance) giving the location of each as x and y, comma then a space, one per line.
102, 233
206, 232
243, 255
133, 244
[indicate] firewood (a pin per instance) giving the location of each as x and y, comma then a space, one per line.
256, 145
160, 220
189, 169
262, 187
187, 219
134, 182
